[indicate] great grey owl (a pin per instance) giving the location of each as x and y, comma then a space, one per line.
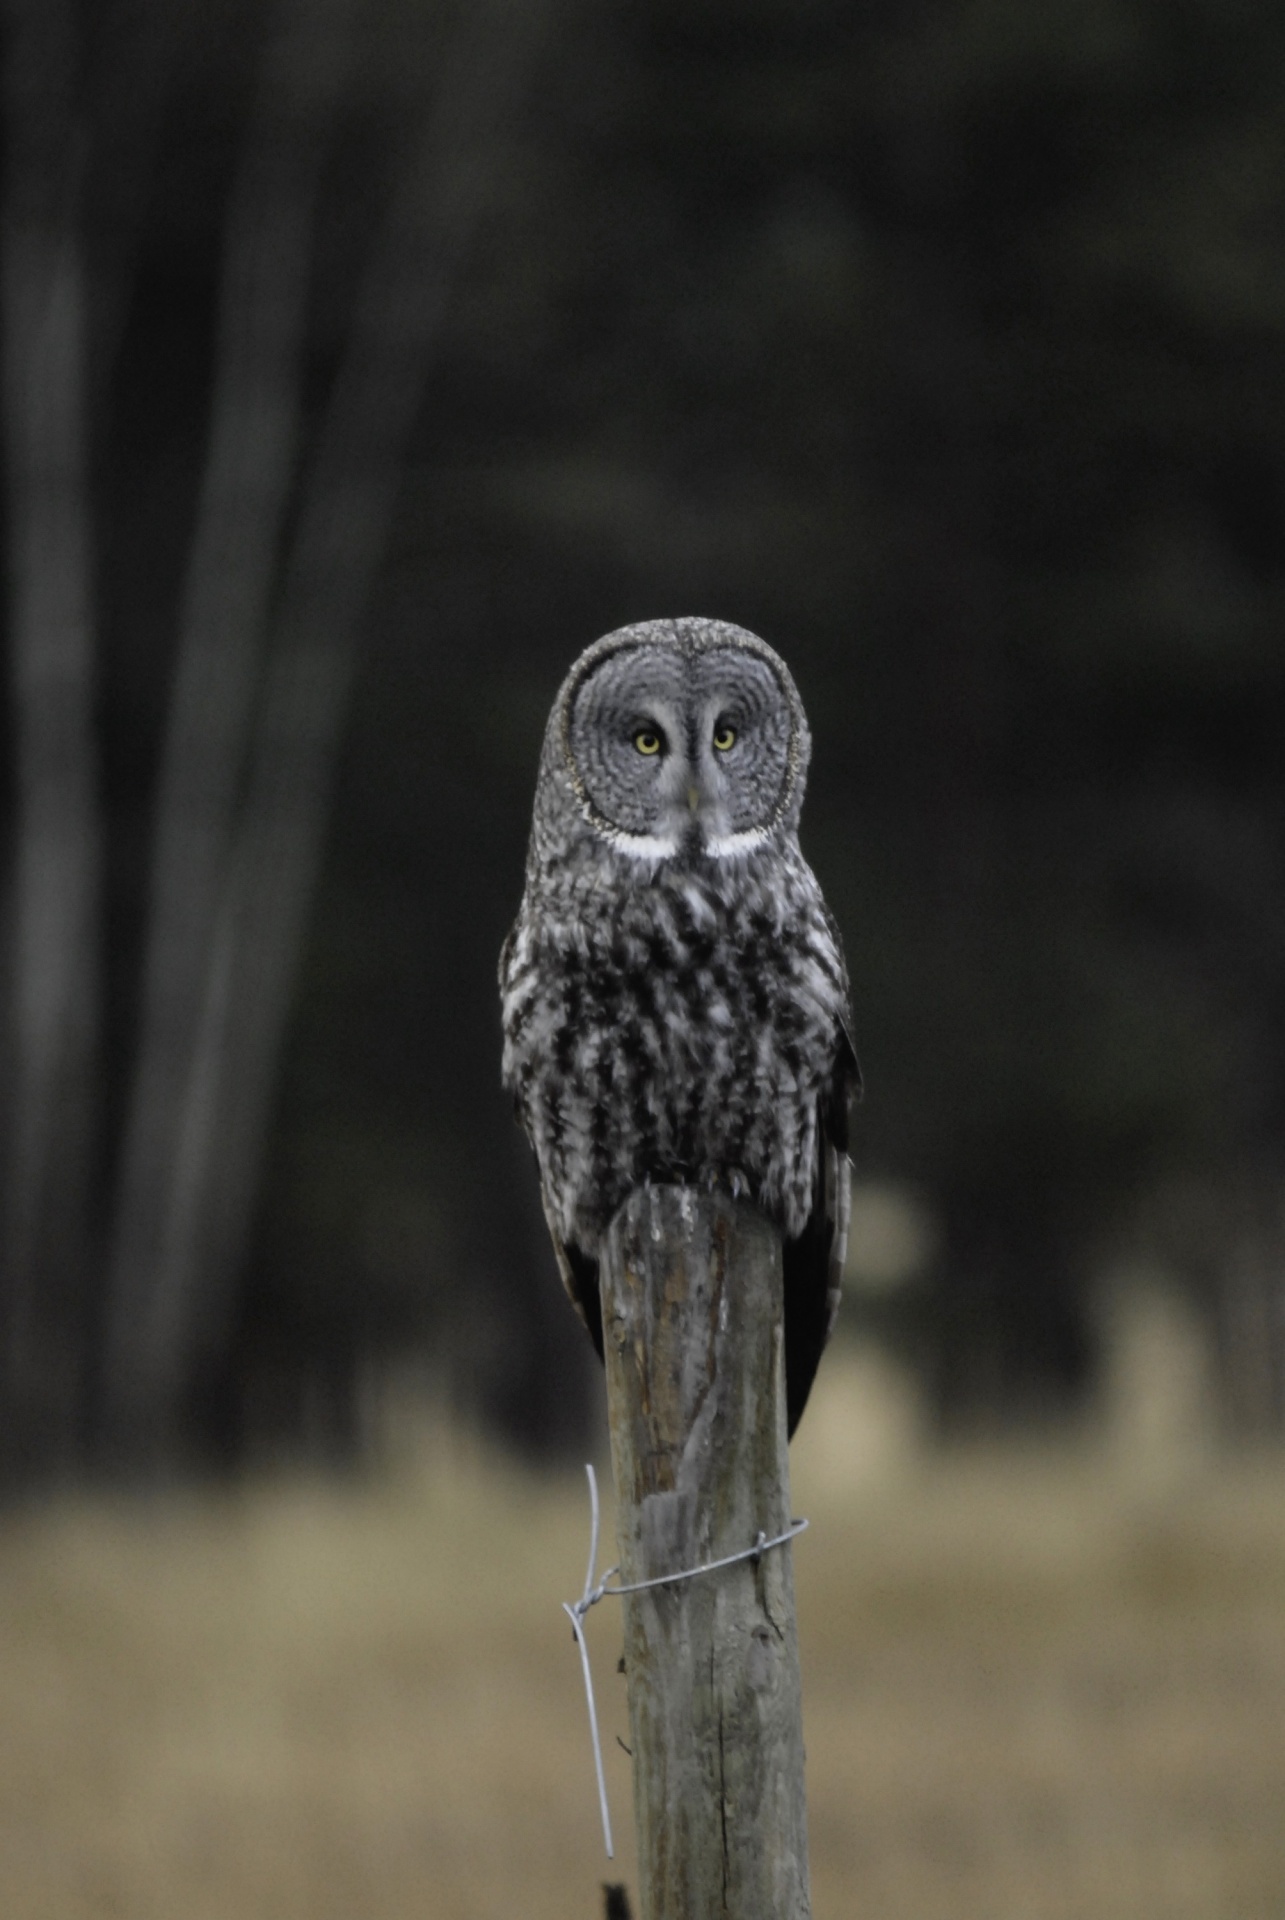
674, 995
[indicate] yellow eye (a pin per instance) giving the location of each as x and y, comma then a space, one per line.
647, 740
724, 738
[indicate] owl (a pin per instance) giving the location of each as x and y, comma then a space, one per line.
673, 992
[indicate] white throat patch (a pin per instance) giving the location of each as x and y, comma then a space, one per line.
726, 846
643, 846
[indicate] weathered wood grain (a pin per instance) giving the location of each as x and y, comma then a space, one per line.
691, 1297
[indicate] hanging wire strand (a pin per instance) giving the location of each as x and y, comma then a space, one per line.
577, 1611
604, 1590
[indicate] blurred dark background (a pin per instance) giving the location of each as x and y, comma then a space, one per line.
364, 360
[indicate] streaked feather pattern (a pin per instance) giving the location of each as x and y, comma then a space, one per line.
677, 1009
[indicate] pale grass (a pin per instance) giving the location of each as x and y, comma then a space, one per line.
1037, 1688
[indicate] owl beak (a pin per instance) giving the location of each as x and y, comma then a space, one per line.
693, 799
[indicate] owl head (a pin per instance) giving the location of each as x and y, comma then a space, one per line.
678, 737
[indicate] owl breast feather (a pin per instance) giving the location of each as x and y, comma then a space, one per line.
682, 1030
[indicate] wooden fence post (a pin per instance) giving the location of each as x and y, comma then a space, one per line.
691, 1297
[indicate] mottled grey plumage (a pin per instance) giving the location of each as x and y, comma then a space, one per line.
674, 996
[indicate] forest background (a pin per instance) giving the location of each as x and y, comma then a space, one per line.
362, 362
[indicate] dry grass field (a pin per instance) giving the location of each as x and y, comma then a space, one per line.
1038, 1687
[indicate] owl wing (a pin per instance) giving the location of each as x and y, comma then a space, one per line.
579, 1272
813, 1263
517, 980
